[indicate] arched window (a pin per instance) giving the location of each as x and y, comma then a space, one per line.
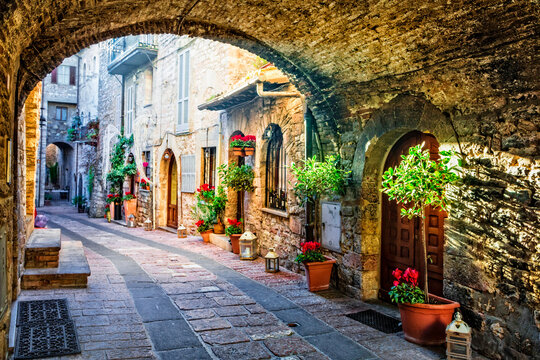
276, 170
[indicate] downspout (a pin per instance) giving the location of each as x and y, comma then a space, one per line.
218, 155
262, 93
122, 106
154, 187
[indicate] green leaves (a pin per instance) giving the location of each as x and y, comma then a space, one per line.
318, 178
238, 178
119, 170
418, 181
404, 293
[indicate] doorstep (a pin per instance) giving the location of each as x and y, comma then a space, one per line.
119, 222
221, 241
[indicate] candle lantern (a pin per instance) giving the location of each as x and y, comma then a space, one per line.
271, 260
248, 244
148, 225
182, 231
131, 221
458, 339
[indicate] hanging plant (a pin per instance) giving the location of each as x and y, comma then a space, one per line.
238, 178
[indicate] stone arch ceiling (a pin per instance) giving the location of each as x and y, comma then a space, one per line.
334, 51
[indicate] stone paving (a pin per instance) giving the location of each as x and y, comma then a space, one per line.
148, 287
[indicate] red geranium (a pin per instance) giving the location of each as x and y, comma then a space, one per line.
199, 223
405, 288
311, 252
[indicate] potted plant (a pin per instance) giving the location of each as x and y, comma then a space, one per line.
234, 231
116, 208
318, 267
418, 182
143, 184
237, 178
237, 145
218, 205
130, 205
249, 144
203, 227
80, 202
108, 212
313, 180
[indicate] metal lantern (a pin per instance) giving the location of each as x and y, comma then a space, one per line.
458, 339
248, 246
271, 261
148, 225
182, 231
131, 221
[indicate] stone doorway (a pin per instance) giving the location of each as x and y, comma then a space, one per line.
172, 193
401, 246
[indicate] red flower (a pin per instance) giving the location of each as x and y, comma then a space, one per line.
128, 192
236, 137
199, 223
397, 273
310, 246
234, 222
411, 275
396, 283
145, 164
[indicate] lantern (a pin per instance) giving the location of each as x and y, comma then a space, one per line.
131, 221
458, 339
148, 225
271, 261
182, 232
248, 243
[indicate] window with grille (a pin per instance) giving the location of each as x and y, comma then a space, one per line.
209, 166
146, 158
61, 113
188, 173
276, 169
129, 110
183, 92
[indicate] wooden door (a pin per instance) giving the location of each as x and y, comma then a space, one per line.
172, 194
401, 246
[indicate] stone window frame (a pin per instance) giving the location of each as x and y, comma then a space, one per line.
183, 87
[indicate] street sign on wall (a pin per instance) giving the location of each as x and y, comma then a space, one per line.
331, 225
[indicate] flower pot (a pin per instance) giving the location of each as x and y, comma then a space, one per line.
318, 274
130, 208
249, 150
235, 243
206, 235
238, 151
117, 211
425, 324
219, 228
108, 216
80, 209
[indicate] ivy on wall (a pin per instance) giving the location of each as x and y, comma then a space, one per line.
119, 169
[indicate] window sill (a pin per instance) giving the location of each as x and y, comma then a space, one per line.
280, 213
183, 132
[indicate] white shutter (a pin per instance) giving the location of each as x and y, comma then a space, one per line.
188, 173
183, 92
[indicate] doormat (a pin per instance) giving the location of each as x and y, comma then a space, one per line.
45, 329
376, 320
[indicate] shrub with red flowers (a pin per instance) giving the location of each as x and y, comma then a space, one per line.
235, 227
128, 196
406, 289
111, 198
243, 141
202, 226
206, 192
107, 208
311, 252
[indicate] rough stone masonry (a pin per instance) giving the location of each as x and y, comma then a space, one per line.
465, 71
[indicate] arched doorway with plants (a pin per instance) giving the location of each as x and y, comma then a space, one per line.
235, 198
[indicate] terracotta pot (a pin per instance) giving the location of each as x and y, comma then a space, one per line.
206, 235
130, 207
238, 151
219, 228
235, 242
318, 274
249, 150
425, 324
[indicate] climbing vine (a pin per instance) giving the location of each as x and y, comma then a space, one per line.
119, 169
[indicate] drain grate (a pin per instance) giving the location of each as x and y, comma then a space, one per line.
38, 311
378, 321
45, 329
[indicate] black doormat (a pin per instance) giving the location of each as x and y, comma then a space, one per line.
45, 329
378, 321
39, 311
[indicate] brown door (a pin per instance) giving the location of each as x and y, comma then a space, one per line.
172, 194
401, 246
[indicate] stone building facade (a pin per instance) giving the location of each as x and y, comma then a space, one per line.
466, 72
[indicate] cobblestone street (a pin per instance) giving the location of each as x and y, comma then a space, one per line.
152, 295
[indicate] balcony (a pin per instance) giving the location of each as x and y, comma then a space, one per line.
128, 53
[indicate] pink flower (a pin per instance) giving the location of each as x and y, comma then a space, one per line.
145, 164
396, 283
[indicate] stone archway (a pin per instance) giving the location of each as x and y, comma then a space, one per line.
400, 116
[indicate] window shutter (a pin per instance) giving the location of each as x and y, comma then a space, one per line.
188, 173
72, 71
54, 76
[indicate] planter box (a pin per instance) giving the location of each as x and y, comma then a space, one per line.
249, 151
425, 324
238, 151
318, 274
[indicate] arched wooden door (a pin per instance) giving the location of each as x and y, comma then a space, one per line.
401, 246
172, 194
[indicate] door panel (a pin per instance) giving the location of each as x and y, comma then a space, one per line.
401, 246
172, 194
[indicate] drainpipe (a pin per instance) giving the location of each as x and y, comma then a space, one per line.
122, 106
262, 93
218, 155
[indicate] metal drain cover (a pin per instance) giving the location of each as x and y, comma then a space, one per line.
42, 311
378, 321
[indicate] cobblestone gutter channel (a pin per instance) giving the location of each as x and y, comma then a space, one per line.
164, 322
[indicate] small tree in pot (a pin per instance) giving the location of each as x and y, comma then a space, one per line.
418, 182
238, 178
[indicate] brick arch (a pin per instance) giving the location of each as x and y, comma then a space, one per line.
400, 116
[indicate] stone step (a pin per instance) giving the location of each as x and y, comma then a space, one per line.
221, 241
72, 271
43, 248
